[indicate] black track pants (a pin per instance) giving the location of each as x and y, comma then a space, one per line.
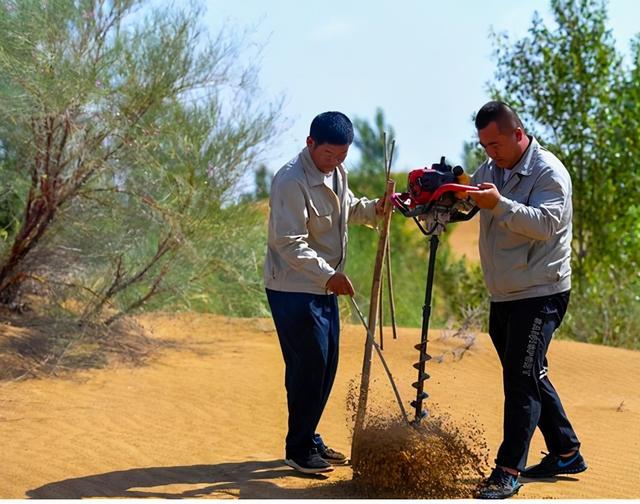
521, 332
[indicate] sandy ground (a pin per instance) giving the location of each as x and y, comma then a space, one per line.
208, 420
464, 239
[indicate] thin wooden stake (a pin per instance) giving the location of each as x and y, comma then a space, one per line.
392, 304
380, 313
393, 146
373, 313
384, 153
381, 303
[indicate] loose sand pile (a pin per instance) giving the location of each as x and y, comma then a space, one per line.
396, 457
437, 458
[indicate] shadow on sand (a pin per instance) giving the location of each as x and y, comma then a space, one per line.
248, 480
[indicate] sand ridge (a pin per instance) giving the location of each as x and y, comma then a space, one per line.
208, 419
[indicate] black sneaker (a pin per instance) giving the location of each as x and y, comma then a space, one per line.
552, 465
329, 454
313, 463
499, 485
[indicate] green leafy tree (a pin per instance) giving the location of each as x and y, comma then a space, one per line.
570, 86
369, 175
575, 93
124, 129
263, 182
472, 156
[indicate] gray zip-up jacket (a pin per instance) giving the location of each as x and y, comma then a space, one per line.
307, 241
525, 241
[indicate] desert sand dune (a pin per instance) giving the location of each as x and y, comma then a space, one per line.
463, 239
208, 419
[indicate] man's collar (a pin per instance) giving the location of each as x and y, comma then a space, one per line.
314, 176
524, 165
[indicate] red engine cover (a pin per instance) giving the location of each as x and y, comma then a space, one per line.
417, 190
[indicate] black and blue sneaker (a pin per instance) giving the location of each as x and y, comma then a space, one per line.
500, 485
552, 465
329, 454
311, 463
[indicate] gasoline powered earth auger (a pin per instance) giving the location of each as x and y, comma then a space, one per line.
434, 199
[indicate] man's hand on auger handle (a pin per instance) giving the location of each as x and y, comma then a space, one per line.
487, 197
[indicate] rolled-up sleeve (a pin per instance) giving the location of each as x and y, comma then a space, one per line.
362, 210
289, 219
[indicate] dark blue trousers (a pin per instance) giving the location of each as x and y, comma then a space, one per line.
308, 327
521, 332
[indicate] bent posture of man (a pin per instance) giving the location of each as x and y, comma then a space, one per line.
310, 207
525, 251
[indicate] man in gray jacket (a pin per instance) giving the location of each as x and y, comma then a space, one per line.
525, 251
310, 207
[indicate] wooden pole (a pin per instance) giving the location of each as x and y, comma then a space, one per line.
380, 311
393, 146
385, 154
373, 313
392, 304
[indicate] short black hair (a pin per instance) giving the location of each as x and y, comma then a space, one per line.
333, 128
504, 116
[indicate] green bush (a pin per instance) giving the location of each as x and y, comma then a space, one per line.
605, 309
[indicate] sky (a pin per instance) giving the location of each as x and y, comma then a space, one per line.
425, 63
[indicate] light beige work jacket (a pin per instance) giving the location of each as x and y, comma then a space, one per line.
307, 242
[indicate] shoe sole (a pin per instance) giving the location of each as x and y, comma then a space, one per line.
307, 470
497, 497
342, 462
554, 474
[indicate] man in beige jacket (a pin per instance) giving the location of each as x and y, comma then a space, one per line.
310, 207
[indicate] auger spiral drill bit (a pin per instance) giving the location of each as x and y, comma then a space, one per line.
435, 198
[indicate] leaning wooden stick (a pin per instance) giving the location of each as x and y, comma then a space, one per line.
380, 312
381, 302
384, 153
388, 159
392, 382
393, 146
392, 304
373, 313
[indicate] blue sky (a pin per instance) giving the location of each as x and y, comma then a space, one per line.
426, 63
